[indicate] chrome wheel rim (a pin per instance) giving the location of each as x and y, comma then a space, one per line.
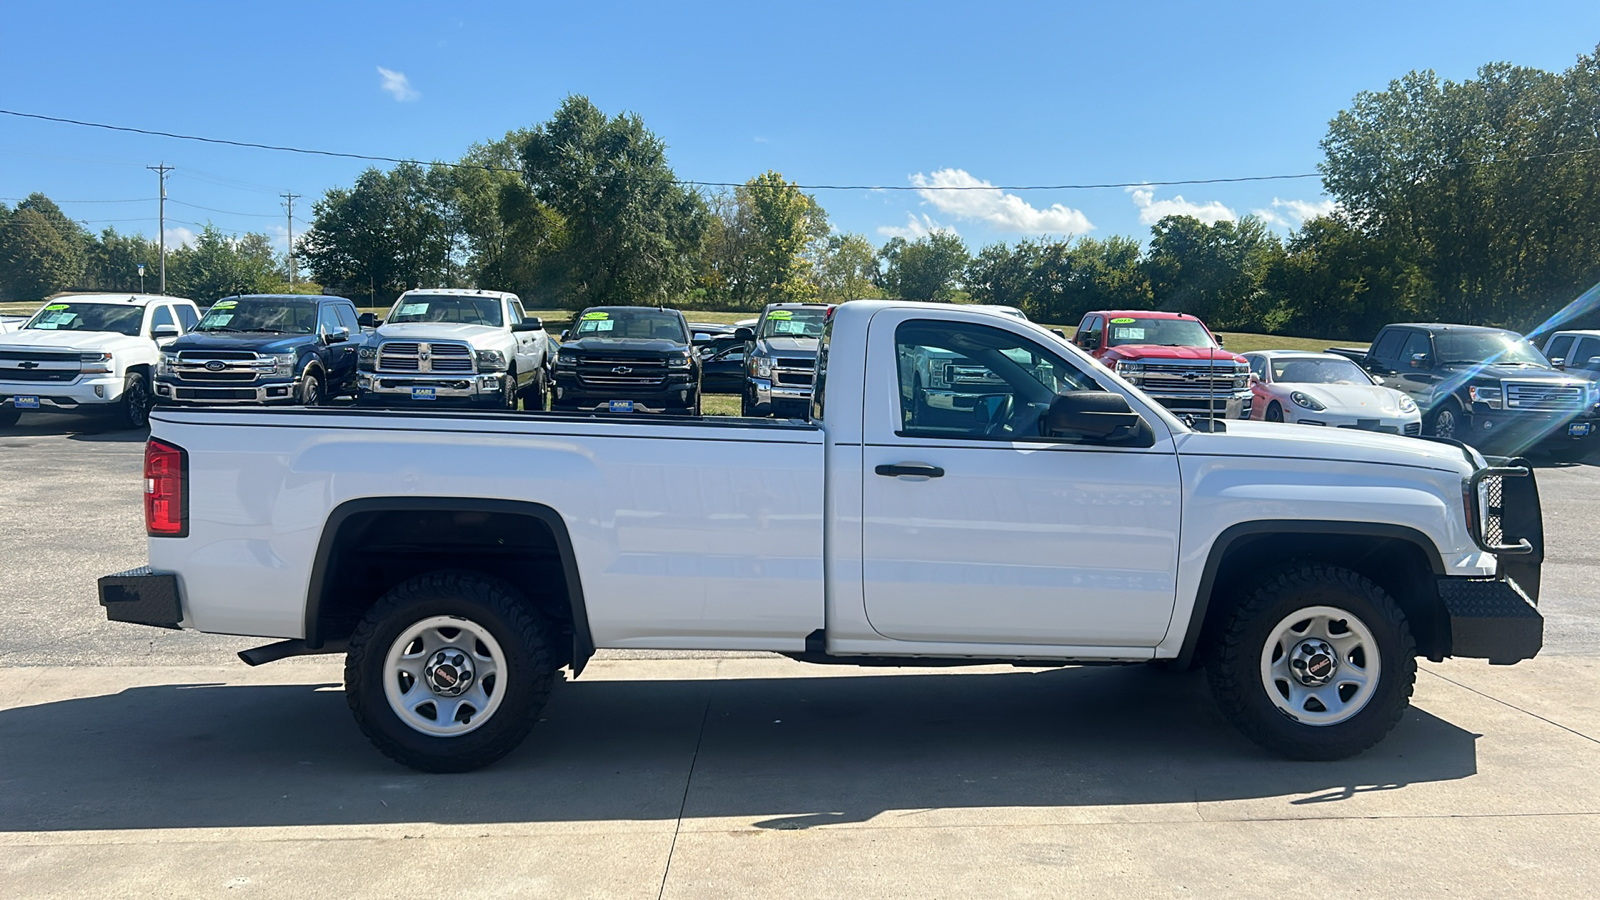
1445, 425
1320, 666
443, 676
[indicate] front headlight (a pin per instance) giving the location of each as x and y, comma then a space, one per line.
1489, 396
1407, 405
491, 361
367, 353
1307, 401
566, 358
1132, 371
283, 364
761, 366
96, 363
678, 362
168, 360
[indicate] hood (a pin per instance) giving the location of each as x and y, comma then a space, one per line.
477, 335
624, 345
1156, 351
44, 339
1465, 371
1270, 439
224, 340
1355, 399
787, 344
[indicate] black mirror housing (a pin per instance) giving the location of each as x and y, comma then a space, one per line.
368, 320
1100, 417
744, 334
527, 325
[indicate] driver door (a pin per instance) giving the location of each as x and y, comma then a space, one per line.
978, 530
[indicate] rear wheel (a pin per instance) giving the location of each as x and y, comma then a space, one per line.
448, 671
1317, 663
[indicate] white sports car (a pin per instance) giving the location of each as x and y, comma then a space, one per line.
1325, 389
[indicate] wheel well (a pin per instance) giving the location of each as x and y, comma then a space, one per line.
369, 546
1393, 559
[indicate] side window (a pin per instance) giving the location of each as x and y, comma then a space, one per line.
347, 318
960, 380
1387, 349
1416, 343
187, 317
161, 316
1588, 348
327, 320
518, 314
1560, 348
514, 314
1084, 327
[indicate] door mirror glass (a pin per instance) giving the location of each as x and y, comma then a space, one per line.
1099, 417
1421, 361
1090, 341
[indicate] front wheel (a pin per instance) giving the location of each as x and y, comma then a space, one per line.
310, 389
1275, 412
134, 409
1316, 663
1446, 423
534, 399
448, 671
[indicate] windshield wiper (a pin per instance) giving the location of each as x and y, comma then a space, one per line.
214, 328
267, 331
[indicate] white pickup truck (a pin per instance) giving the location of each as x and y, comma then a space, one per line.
88, 352
459, 560
449, 344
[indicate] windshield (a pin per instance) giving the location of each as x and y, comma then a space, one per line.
645, 324
115, 317
1318, 371
1161, 332
1497, 347
795, 323
277, 316
446, 308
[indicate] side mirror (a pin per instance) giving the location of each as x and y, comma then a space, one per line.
1421, 361
744, 334
368, 320
337, 336
1220, 341
1090, 341
164, 331
1558, 362
1593, 362
1099, 417
1377, 379
565, 333
527, 325
1058, 333
1254, 378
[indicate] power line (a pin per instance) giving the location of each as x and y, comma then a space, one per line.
54, 200
226, 212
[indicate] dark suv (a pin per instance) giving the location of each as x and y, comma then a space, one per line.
1486, 386
264, 348
627, 359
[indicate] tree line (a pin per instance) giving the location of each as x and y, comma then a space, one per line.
1474, 201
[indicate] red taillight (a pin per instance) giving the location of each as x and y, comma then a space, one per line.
166, 508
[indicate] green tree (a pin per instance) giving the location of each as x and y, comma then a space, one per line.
114, 259
219, 266
390, 232
846, 269
36, 259
513, 239
632, 232
1213, 271
929, 268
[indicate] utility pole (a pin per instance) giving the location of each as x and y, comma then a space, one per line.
162, 170
291, 196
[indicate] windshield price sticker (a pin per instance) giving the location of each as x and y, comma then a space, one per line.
595, 316
55, 307
780, 314
218, 319
1127, 334
1124, 320
413, 309
225, 304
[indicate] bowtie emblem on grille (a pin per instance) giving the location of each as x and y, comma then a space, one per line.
216, 365
621, 370
1191, 376
27, 365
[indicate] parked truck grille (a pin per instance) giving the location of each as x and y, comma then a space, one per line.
622, 371
221, 366
1197, 380
415, 356
793, 371
36, 365
1543, 397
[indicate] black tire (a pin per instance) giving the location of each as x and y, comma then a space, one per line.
746, 409
534, 399
311, 390
1234, 662
489, 603
1445, 422
133, 410
9, 415
1274, 412
1571, 452
510, 394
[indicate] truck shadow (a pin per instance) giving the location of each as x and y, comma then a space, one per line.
76, 427
784, 752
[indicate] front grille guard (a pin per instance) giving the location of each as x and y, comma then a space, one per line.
1486, 494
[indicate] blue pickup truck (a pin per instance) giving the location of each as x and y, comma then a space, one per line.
264, 348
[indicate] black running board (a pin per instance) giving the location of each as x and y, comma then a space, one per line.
257, 656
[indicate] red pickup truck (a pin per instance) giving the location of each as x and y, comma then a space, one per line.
1173, 357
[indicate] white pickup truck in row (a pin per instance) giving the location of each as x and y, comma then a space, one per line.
1052, 515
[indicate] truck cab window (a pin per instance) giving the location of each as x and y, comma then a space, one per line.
187, 317
1416, 343
1560, 348
162, 315
975, 381
1387, 350
327, 320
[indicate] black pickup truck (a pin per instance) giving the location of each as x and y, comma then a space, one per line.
264, 348
1488, 387
627, 359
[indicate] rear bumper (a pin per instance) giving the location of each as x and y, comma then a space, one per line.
181, 393
142, 597
1491, 619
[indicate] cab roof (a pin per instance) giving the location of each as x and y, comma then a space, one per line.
124, 299
462, 292
1140, 314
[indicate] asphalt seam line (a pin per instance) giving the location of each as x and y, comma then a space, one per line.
683, 805
1519, 709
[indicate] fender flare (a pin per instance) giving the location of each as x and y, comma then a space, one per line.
1233, 533
582, 639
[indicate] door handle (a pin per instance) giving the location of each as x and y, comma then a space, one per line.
898, 469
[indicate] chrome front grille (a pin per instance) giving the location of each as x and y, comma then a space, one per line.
1197, 380
38, 365
222, 366
622, 371
1541, 396
424, 357
794, 371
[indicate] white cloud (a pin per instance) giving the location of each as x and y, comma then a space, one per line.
1293, 213
1152, 210
980, 200
178, 236
397, 84
916, 228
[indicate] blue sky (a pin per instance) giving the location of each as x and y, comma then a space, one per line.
826, 93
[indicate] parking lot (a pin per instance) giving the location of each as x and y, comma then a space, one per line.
718, 775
